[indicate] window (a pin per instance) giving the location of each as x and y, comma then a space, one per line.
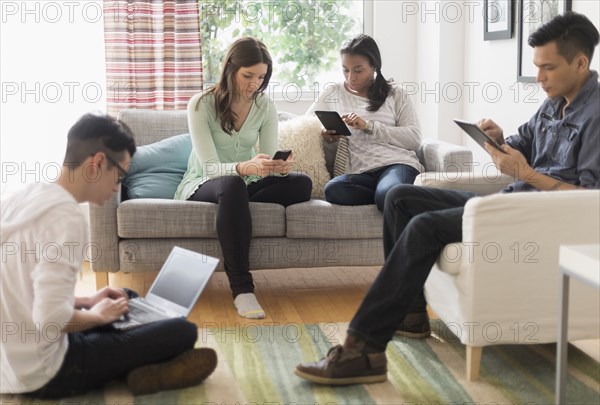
303, 38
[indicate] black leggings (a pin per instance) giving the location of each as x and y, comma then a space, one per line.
234, 225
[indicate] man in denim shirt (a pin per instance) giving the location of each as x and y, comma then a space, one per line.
561, 141
558, 149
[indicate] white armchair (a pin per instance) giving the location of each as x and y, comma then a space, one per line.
501, 284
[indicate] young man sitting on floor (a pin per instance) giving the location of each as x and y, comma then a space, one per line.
55, 344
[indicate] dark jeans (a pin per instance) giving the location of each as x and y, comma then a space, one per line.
418, 223
369, 187
234, 225
99, 355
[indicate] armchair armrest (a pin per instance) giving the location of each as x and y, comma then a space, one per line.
482, 184
545, 217
104, 256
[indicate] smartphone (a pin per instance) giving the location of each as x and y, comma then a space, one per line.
282, 154
333, 120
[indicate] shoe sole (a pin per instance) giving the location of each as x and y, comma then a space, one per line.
204, 361
370, 379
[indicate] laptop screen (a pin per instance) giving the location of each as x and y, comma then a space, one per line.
183, 277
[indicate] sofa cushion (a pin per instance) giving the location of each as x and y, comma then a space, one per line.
303, 136
318, 219
157, 169
158, 218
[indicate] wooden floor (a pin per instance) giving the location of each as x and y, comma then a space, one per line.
327, 294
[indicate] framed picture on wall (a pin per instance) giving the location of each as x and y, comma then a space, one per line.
533, 14
497, 19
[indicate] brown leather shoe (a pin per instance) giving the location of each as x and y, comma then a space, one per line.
186, 370
344, 367
415, 326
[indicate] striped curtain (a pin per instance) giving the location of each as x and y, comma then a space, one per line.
153, 54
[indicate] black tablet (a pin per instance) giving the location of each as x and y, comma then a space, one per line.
332, 120
477, 134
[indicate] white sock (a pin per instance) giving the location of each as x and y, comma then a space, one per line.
248, 307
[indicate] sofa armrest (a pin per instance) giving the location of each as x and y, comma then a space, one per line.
482, 184
440, 156
104, 252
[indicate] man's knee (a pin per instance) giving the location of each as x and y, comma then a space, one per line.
403, 192
425, 222
435, 228
398, 195
185, 331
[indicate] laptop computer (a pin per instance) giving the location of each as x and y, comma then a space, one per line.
175, 291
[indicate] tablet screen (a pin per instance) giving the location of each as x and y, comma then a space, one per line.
477, 134
332, 120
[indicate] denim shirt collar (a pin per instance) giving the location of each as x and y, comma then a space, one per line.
590, 86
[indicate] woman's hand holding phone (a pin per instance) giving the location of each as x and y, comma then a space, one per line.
262, 165
257, 166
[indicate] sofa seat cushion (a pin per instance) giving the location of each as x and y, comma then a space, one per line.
159, 218
318, 219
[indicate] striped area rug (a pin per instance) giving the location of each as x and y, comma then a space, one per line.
256, 362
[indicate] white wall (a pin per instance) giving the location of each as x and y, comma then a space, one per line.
455, 73
51, 72
495, 62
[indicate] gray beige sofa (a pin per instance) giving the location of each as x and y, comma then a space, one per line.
136, 235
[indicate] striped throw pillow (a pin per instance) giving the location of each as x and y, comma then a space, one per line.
341, 157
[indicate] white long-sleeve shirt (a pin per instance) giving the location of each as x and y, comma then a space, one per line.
43, 234
396, 133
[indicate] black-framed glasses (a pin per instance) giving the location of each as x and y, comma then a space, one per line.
119, 168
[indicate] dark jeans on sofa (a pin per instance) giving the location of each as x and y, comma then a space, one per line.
369, 187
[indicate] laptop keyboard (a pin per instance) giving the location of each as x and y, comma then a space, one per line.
139, 314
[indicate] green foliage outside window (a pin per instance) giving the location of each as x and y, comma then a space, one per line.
303, 36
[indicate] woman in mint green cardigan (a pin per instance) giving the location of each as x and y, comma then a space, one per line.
225, 123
